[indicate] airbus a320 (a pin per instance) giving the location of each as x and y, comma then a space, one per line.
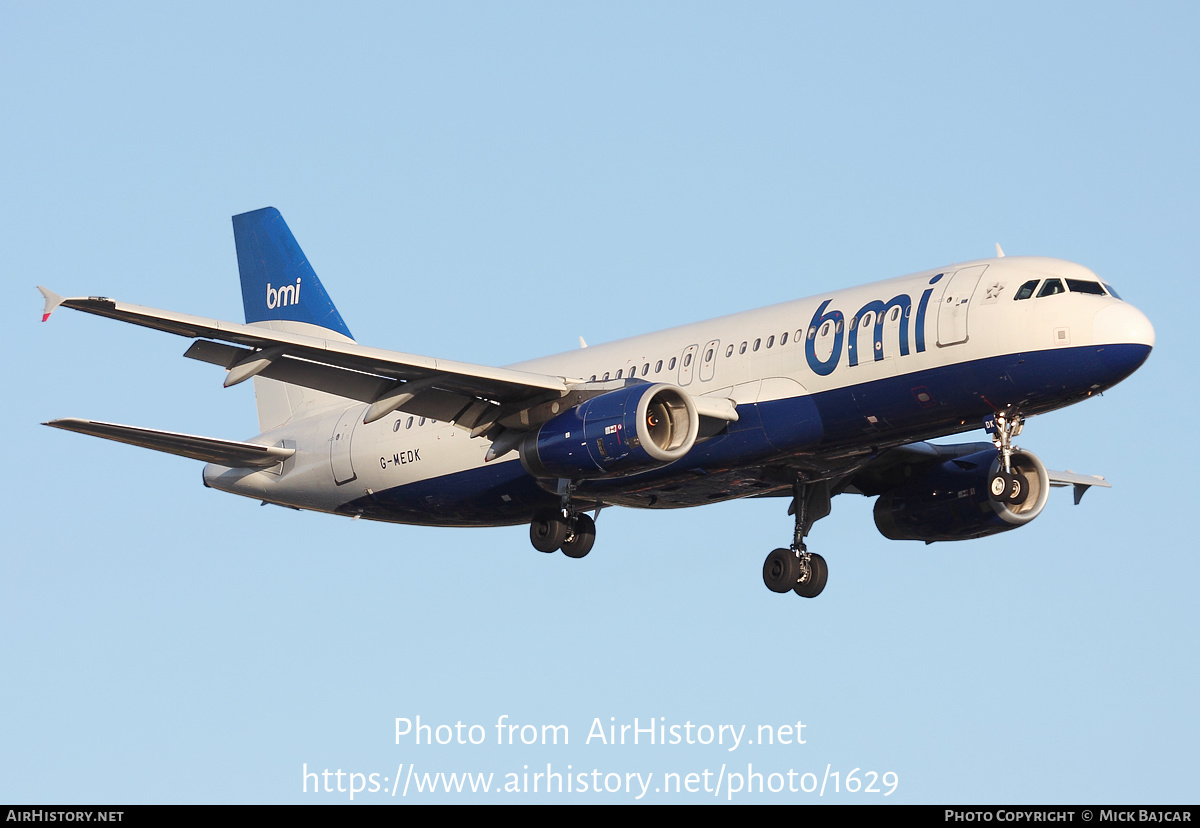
804, 400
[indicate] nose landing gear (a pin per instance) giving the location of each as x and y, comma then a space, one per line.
1004, 486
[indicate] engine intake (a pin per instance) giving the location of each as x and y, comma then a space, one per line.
951, 501
622, 432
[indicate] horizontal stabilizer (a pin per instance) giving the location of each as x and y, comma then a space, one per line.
209, 449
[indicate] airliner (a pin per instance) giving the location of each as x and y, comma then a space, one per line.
805, 400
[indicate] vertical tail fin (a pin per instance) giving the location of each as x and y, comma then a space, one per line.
278, 283
281, 291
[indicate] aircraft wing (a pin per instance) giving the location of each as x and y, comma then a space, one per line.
1081, 482
472, 396
917, 454
209, 449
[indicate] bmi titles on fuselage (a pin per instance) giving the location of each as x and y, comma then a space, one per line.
824, 321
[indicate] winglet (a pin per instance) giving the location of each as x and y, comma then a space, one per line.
999, 252
53, 300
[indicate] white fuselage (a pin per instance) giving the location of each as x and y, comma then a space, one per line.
831, 351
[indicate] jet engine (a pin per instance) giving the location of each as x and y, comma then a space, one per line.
951, 501
622, 432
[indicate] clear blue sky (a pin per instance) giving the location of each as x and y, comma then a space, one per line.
487, 182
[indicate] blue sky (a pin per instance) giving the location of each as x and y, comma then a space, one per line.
487, 182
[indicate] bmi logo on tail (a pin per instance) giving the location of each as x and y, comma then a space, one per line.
285, 295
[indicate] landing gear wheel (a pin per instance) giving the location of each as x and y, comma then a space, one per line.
781, 570
548, 530
1018, 491
1000, 486
582, 535
813, 582
1005, 486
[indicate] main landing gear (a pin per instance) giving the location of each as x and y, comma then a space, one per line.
564, 528
796, 569
1004, 486
573, 533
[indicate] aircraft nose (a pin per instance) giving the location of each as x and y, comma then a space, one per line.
1125, 337
1122, 324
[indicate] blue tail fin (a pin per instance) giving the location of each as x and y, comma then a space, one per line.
278, 283
281, 291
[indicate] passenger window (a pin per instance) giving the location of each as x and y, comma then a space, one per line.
409, 423
646, 369
396, 427
757, 342
671, 364
1026, 290
708, 357
606, 376
783, 339
687, 360
658, 366
1051, 287
593, 379
422, 422
770, 340
729, 352
742, 350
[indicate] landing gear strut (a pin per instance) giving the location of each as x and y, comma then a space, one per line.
1004, 486
796, 569
564, 528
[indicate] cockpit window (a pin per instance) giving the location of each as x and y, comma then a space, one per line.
1026, 290
1082, 286
1111, 292
1051, 287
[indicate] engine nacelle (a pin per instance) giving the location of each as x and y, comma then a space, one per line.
622, 432
951, 501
